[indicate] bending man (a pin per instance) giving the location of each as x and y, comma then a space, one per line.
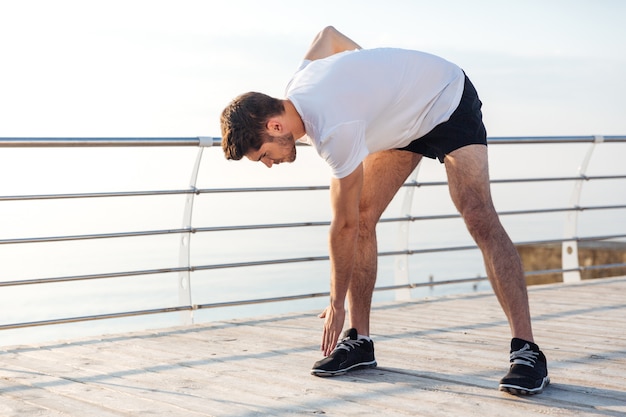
372, 114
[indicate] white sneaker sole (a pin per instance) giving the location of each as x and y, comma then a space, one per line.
517, 390
362, 365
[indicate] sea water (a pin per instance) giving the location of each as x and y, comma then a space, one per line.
67, 171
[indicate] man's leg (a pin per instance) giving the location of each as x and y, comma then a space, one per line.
468, 179
384, 173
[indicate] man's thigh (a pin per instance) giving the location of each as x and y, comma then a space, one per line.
468, 177
384, 173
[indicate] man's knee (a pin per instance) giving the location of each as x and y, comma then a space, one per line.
368, 219
481, 220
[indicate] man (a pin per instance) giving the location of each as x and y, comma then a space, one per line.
372, 114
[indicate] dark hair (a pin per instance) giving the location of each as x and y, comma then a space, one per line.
243, 123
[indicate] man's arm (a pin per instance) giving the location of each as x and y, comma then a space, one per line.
345, 195
329, 42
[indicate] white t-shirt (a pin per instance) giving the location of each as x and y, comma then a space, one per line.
359, 102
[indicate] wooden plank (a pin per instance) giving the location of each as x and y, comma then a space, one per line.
136, 385
438, 357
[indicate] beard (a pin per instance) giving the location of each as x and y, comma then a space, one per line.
288, 145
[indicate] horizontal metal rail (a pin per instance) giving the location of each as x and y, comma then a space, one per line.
199, 191
541, 140
114, 235
79, 319
25, 142
96, 195
255, 301
268, 262
92, 236
106, 142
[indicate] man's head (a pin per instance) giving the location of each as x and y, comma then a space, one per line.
249, 122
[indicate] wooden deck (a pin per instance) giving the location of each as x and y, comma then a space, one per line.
437, 357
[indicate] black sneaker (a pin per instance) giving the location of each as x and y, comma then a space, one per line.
529, 369
350, 353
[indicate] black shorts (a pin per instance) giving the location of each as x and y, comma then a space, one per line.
465, 127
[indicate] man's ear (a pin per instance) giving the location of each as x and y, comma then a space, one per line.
274, 126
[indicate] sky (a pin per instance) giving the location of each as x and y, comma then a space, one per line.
166, 68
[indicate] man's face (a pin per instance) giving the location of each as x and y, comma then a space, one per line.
281, 149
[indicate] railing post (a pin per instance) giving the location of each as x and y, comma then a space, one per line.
569, 248
401, 273
184, 252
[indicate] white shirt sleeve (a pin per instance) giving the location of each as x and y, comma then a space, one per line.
344, 148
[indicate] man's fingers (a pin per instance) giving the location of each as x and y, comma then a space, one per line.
324, 346
333, 325
329, 342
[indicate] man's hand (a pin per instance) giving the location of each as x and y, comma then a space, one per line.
333, 324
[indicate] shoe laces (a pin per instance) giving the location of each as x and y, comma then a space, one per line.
524, 356
348, 344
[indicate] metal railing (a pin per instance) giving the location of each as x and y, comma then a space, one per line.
571, 269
